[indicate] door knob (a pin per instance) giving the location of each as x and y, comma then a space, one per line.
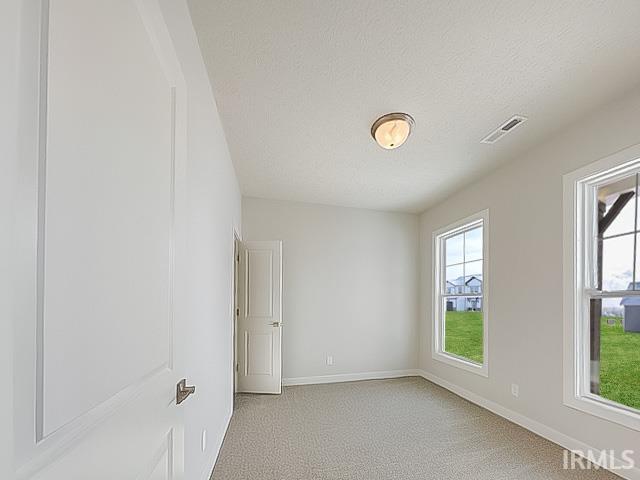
182, 391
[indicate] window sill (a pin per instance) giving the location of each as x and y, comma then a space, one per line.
601, 408
459, 362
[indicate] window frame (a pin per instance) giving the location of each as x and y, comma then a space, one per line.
439, 292
579, 283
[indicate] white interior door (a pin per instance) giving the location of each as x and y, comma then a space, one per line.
98, 340
260, 320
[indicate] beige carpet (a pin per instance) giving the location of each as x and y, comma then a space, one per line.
400, 429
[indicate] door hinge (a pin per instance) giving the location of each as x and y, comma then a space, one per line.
237, 366
238, 258
237, 312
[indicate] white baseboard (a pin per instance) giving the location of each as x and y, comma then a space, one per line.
536, 427
349, 377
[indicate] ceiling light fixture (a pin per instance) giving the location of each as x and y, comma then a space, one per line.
392, 130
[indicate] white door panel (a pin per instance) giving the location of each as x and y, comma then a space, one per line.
100, 356
107, 229
259, 353
259, 283
260, 319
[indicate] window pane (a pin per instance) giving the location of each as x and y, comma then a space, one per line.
454, 280
473, 244
473, 284
615, 349
473, 268
616, 195
617, 263
454, 249
462, 330
473, 277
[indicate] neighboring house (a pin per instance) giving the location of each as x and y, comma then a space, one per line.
631, 319
473, 284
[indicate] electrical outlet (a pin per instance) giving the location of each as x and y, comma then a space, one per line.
329, 359
515, 389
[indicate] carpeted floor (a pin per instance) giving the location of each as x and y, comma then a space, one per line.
399, 429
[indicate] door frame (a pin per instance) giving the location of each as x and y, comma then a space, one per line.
235, 306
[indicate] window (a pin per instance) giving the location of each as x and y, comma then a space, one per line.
602, 289
460, 297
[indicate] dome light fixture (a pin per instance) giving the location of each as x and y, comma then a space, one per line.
392, 130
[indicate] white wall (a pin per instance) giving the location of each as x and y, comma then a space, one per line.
214, 212
524, 199
9, 92
350, 285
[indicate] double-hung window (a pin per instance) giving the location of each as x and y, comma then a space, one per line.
460, 296
602, 288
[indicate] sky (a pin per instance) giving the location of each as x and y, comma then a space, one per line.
465, 248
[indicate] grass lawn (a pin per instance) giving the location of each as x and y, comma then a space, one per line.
463, 335
619, 353
619, 363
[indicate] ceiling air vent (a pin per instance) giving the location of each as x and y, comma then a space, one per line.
505, 128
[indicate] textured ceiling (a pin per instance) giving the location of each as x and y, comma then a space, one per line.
298, 84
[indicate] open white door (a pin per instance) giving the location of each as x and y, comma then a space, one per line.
259, 338
98, 331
